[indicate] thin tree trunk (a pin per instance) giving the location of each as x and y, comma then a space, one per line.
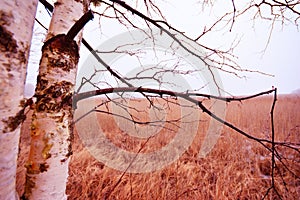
51, 128
16, 26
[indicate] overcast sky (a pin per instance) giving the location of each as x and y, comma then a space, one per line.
280, 58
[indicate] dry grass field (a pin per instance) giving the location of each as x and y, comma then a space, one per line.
237, 168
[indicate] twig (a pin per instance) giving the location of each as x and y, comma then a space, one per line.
233, 17
273, 137
273, 148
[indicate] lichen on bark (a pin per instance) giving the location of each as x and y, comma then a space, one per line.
52, 125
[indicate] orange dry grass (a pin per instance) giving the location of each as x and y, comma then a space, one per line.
237, 168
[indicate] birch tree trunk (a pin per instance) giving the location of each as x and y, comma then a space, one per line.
51, 128
16, 25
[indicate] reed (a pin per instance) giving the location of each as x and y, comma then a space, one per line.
236, 168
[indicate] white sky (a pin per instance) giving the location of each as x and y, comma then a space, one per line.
281, 58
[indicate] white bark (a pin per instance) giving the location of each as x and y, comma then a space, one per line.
51, 128
16, 25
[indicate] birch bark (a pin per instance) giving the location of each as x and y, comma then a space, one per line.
51, 128
16, 26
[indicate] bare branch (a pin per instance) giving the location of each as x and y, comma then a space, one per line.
78, 26
185, 96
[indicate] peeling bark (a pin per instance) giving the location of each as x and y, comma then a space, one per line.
51, 127
16, 25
